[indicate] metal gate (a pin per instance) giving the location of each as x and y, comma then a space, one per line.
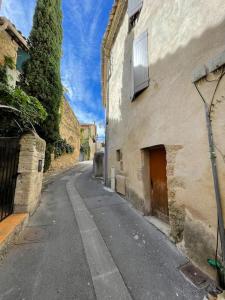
9, 159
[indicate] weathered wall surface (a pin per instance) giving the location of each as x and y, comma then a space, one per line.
88, 130
8, 47
69, 130
29, 180
92, 145
89, 133
98, 164
182, 35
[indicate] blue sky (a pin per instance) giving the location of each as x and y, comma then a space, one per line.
84, 24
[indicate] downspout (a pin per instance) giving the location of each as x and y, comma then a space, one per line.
215, 175
106, 133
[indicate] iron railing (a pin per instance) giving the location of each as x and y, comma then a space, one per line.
9, 159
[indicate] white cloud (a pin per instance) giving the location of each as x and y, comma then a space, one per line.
89, 117
80, 68
19, 12
80, 65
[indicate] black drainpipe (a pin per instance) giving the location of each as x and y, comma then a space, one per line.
215, 175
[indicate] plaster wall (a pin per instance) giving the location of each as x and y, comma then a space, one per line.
182, 34
92, 148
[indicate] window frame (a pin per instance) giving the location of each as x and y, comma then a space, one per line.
135, 94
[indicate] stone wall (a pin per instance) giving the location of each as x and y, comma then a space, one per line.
8, 47
30, 173
70, 131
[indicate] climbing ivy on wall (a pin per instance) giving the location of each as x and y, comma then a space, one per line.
28, 110
8, 62
62, 147
41, 73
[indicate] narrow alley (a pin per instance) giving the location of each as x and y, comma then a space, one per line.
124, 257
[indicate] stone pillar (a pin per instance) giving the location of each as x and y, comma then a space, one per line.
30, 173
98, 164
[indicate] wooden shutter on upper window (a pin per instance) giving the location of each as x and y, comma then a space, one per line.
134, 6
140, 63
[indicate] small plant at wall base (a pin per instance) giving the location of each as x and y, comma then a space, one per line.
41, 73
62, 147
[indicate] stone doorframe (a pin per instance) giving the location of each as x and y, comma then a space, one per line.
176, 213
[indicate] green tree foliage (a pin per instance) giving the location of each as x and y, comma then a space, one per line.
31, 110
41, 73
27, 110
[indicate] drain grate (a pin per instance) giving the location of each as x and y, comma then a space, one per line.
194, 275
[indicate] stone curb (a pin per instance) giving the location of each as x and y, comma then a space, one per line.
12, 236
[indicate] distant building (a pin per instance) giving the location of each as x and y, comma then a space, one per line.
13, 46
88, 141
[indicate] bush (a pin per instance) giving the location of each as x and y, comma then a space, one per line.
62, 147
31, 110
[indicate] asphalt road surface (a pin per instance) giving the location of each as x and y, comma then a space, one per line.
85, 242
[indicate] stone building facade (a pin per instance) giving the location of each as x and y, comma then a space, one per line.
154, 55
12, 45
70, 131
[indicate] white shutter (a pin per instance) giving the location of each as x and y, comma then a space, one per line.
134, 6
140, 63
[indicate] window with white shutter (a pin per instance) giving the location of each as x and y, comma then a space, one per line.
140, 64
134, 9
134, 6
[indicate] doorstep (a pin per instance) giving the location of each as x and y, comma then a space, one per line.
160, 225
10, 228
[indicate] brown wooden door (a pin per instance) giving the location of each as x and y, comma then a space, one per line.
159, 196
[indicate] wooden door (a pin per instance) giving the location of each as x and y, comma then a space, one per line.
158, 178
